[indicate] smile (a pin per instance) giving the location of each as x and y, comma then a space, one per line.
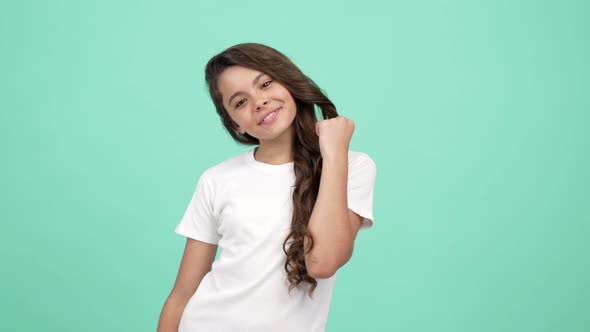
270, 118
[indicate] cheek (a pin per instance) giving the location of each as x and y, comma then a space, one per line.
235, 120
286, 96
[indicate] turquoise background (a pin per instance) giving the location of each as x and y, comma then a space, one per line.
476, 114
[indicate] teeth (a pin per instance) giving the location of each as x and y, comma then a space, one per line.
268, 116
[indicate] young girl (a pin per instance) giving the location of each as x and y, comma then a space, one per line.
285, 213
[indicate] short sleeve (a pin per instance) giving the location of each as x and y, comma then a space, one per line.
199, 222
361, 182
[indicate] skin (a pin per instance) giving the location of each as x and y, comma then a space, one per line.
248, 108
333, 226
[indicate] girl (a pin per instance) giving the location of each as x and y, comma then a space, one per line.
285, 214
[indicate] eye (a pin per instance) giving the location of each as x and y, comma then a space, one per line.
265, 84
239, 103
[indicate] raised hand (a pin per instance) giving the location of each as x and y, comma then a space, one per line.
334, 135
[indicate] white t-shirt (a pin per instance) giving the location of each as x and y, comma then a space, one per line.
245, 206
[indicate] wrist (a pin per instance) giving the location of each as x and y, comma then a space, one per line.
335, 157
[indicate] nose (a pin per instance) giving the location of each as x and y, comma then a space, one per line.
261, 103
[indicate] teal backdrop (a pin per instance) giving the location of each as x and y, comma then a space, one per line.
475, 112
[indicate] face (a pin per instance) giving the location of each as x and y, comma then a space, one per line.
260, 106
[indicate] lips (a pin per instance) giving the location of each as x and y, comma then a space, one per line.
266, 114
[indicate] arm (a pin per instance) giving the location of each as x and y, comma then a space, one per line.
196, 262
333, 226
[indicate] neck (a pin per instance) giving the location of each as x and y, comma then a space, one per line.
272, 156
277, 151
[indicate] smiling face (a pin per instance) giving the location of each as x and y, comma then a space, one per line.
261, 106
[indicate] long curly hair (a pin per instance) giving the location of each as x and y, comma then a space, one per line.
306, 149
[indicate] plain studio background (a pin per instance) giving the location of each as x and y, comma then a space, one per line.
475, 113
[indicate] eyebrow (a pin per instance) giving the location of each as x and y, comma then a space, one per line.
239, 92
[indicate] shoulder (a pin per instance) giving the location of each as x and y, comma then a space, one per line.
360, 160
226, 168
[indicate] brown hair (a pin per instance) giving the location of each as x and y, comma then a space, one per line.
306, 150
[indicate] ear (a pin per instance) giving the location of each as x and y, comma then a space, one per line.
234, 125
238, 129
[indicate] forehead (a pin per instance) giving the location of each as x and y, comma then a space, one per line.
236, 78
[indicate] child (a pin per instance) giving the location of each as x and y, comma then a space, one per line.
285, 214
